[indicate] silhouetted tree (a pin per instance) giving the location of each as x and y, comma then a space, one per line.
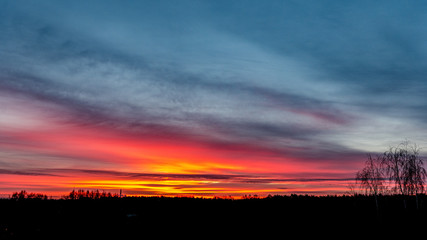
19, 196
250, 196
371, 177
405, 169
82, 194
352, 189
24, 195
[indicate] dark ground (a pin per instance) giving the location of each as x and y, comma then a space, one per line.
161, 217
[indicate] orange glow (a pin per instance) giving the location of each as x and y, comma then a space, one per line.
178, 166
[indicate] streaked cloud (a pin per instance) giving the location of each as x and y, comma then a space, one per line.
204, 87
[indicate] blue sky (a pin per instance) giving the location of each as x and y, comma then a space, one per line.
317, 81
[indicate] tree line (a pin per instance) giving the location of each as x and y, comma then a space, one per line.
94, 194
73, 195
399, 170
25, 195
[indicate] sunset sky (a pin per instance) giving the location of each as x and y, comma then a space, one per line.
206, 98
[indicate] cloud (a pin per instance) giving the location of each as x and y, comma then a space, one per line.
282, 81
95, 85
30, 173
237, 178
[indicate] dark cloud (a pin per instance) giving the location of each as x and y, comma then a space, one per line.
28, 173
141, 118
273, 180
238, 178
304, 80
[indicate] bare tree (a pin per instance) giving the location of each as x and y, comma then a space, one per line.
414, 174
405, 169
351, 189
393, 164
371, 177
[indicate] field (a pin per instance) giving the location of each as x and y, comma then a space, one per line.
201, 218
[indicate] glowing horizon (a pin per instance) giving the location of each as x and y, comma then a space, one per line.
205, 98
154, 166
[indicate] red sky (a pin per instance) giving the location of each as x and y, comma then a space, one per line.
47, 152
205, 97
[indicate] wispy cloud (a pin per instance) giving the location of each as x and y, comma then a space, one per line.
243, 84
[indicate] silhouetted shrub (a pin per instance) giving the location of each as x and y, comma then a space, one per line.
82, 194
24, 195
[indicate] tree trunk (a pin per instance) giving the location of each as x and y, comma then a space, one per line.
377, 206
416, 200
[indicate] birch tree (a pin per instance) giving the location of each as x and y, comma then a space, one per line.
405, 169
371, 177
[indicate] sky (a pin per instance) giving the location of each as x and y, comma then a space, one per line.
206, 98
